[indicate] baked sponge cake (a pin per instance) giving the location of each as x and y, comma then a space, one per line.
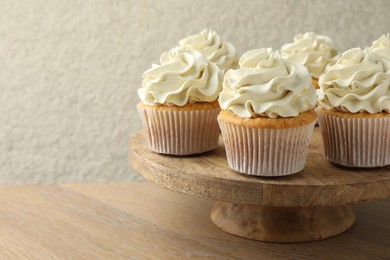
354, 109
267, 115
178, 104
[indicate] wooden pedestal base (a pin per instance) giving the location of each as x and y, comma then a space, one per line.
301, 207
282, 224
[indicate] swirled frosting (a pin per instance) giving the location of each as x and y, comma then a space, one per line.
312, 50
182, 77
381, 46
266, 85
254, 58
358, 82
209, 43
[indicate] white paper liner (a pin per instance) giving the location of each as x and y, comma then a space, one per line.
180, 132
266, 152
356, 142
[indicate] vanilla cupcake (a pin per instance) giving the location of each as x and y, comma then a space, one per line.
354, 118
179, 108
381, 46
313, 51
209, 43
267, 114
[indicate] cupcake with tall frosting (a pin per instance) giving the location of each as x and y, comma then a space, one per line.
178, 104
267, 114
354, 109
313, 51
209, 43
381, 46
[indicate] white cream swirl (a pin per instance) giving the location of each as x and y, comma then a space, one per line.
266, 85
381, 46
312, 50
209, 43
253, 58
183, 77
358, 82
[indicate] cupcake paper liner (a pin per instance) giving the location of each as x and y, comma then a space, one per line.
356, 142
266, 152
180, 132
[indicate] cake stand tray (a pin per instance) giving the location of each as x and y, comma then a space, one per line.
311, 205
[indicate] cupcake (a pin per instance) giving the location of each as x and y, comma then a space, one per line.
267, 115
354, 118
381, 46
179, 108
208, 42
313, 51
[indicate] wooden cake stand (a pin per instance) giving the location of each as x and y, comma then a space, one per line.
311, 205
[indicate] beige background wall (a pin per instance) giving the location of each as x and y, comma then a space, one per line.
69, 70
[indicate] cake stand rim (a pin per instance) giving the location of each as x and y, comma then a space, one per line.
219, 189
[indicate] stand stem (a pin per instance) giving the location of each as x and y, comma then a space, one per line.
282, 224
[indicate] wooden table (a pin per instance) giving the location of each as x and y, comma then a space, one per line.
143, 221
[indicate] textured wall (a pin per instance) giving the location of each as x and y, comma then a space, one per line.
69, 70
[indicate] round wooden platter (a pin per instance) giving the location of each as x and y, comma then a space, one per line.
310, 205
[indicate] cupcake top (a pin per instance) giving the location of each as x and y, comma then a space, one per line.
312, 50
209, 43
182, 77
358, 82
381, 46
266, 85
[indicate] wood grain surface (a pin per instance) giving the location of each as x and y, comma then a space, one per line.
143, 221
208, 175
